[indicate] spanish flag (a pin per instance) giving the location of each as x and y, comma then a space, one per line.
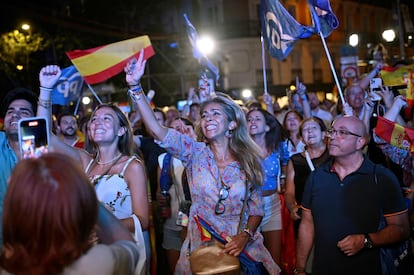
98, 64
401, 76
395, 134
204, 233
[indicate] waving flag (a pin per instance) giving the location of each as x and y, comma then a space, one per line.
99, 64
202, 59
68, 88
395, 134
402, 77
281, 31
324, 20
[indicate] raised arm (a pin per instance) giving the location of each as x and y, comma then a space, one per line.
364, 82
290, 192
301, 90
48, 77
267, 99
134, 71
393, 113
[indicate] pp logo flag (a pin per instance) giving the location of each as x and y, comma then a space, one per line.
69, 87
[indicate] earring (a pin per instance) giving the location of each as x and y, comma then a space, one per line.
228, 133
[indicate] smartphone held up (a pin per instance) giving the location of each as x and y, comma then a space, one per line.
374, 87
33, 137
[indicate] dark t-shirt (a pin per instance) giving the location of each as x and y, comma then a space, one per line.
351, 206
151, 151
302, 171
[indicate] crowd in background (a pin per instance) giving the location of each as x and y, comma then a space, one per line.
145, 166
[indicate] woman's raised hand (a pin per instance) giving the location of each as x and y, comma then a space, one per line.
135, 69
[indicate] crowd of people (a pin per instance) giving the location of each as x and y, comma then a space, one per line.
125, 193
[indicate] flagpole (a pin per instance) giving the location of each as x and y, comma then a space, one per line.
77, 106
264, 65
338, 84
94, 93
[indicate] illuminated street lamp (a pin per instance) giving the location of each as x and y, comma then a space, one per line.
354, 40
246, 93
205, 45
25, 27
388, 35
86, 100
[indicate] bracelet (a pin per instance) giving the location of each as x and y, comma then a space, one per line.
44, 103
249, 232
45, 88
136, 87
283, 176
135, 95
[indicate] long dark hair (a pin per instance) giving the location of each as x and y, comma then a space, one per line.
275, 135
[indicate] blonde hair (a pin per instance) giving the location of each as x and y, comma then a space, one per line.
242, 146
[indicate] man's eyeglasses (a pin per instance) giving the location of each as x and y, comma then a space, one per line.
223, 194
341, 133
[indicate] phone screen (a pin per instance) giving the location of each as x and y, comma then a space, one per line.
375, 84
33, 137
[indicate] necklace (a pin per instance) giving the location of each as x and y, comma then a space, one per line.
109, 161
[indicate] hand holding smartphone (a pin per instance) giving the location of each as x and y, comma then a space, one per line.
33, 137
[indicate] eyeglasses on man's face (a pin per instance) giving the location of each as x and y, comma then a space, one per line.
341, 133
223, 194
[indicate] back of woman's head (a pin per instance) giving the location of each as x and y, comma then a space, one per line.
49, 213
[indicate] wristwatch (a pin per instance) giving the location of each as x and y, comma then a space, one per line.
367, 241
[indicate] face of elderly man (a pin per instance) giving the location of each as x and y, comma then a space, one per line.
355, 96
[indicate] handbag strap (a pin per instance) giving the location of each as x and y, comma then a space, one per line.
309, 161
239, 229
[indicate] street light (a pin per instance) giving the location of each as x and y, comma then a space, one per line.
86, 100
25, 27
388, 35
354, 40
247, 93
205, 45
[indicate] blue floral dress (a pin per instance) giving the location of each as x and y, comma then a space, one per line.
203, 179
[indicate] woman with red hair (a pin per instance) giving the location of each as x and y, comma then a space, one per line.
49, 217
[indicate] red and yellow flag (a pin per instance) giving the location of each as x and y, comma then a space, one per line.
395, 134
99, 64
204, 234
401, 76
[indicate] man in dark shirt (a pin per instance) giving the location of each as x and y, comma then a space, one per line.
342, 205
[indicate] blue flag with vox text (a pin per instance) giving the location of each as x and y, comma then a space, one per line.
281, 31
69, 87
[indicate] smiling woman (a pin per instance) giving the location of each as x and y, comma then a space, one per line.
118, 175
223, 170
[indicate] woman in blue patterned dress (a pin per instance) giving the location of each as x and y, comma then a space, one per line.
220, 170
267, 133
